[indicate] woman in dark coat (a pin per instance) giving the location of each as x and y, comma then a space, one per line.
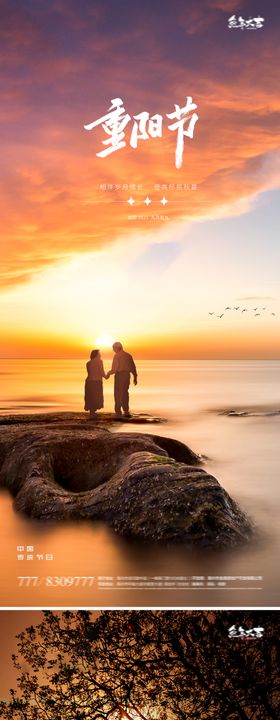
94, 383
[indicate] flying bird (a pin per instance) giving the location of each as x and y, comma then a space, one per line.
245, 310
237, 308
272, 313
227, 308
257, 314
211, 313
220, 316
255, 309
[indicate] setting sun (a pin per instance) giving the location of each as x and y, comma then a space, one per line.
104, 341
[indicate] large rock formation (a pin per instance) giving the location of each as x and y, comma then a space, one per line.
145, 486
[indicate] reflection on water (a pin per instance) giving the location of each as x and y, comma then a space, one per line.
243, 453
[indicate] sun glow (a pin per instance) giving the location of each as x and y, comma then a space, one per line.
104, 341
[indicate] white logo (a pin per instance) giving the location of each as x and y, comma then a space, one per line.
235, 631
250, 24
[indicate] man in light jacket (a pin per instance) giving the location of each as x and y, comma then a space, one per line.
122, 366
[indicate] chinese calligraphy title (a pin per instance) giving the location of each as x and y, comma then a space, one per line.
144, 126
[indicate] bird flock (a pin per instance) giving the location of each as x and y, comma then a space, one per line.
257, 311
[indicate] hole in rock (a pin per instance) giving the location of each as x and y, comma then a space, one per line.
80, 465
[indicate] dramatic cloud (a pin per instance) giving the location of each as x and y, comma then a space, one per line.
61, 66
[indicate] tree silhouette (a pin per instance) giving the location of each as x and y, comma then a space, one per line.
146, 665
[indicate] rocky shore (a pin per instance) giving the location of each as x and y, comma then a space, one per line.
145, 486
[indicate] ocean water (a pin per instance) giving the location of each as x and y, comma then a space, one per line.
241, 451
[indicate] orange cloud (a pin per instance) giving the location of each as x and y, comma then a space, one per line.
51, 204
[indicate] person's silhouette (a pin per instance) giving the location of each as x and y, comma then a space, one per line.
122, 365
94, 383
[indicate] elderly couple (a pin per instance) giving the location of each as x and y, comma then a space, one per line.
122, 365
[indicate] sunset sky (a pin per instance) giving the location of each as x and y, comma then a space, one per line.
77, 261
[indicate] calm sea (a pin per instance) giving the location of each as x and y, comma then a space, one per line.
242, 452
